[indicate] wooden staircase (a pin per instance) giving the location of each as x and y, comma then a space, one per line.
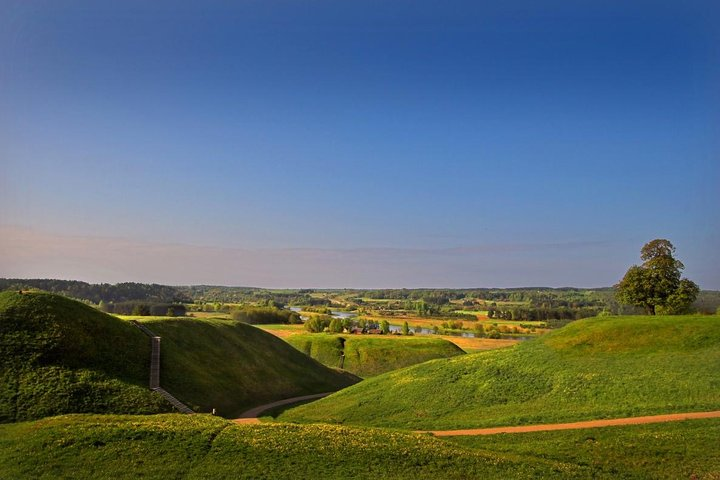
155, 369
155, 363
174, 401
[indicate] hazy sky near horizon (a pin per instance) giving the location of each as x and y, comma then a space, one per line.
363, 144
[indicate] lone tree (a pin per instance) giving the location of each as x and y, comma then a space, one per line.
656, 284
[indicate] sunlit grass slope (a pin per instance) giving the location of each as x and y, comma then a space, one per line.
368, 355
206, 447
594, 368
59, 356
689, 449
232, 366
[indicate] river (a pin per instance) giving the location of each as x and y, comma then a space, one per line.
423, 330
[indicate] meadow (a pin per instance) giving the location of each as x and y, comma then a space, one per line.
591, 369
202, 446
675, 450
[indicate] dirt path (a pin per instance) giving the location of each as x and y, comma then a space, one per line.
674, 417
251, 415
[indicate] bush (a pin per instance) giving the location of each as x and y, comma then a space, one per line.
265, 315
335, 326
318, 323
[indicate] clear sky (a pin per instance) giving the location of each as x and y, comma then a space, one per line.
358, 143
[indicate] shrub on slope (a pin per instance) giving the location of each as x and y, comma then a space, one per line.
59, 356
372, 355
594, 368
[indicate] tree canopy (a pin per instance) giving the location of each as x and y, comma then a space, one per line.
656, 285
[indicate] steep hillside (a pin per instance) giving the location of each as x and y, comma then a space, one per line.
60, 356
369, 355
232, 366
594, 368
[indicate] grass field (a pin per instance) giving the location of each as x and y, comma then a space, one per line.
474, 345
202, 446
232, 366
689, 449
369, 355
283, 331
590, 369
206, 315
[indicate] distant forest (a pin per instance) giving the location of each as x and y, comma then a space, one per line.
525, 303
97, 292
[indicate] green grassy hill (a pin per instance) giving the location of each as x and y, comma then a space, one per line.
232, 366
202, 447
594, 368
676, 450
370, 355
60, 356
206, 447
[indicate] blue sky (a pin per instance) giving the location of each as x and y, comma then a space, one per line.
358, 144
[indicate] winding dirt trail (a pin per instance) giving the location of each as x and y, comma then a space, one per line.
251, 415
674, 417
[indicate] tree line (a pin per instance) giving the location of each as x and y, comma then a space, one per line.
95, 293
543, 314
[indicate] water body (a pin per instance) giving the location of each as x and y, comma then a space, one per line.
423, 331
464, 334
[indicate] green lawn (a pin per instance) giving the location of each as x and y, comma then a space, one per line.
590, 369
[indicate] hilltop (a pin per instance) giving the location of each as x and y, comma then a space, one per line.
60, 356
369, 355
593, 368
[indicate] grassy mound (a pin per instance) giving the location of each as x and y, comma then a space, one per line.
232, 366
201, 447
594, 368
60, 356
372, 355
